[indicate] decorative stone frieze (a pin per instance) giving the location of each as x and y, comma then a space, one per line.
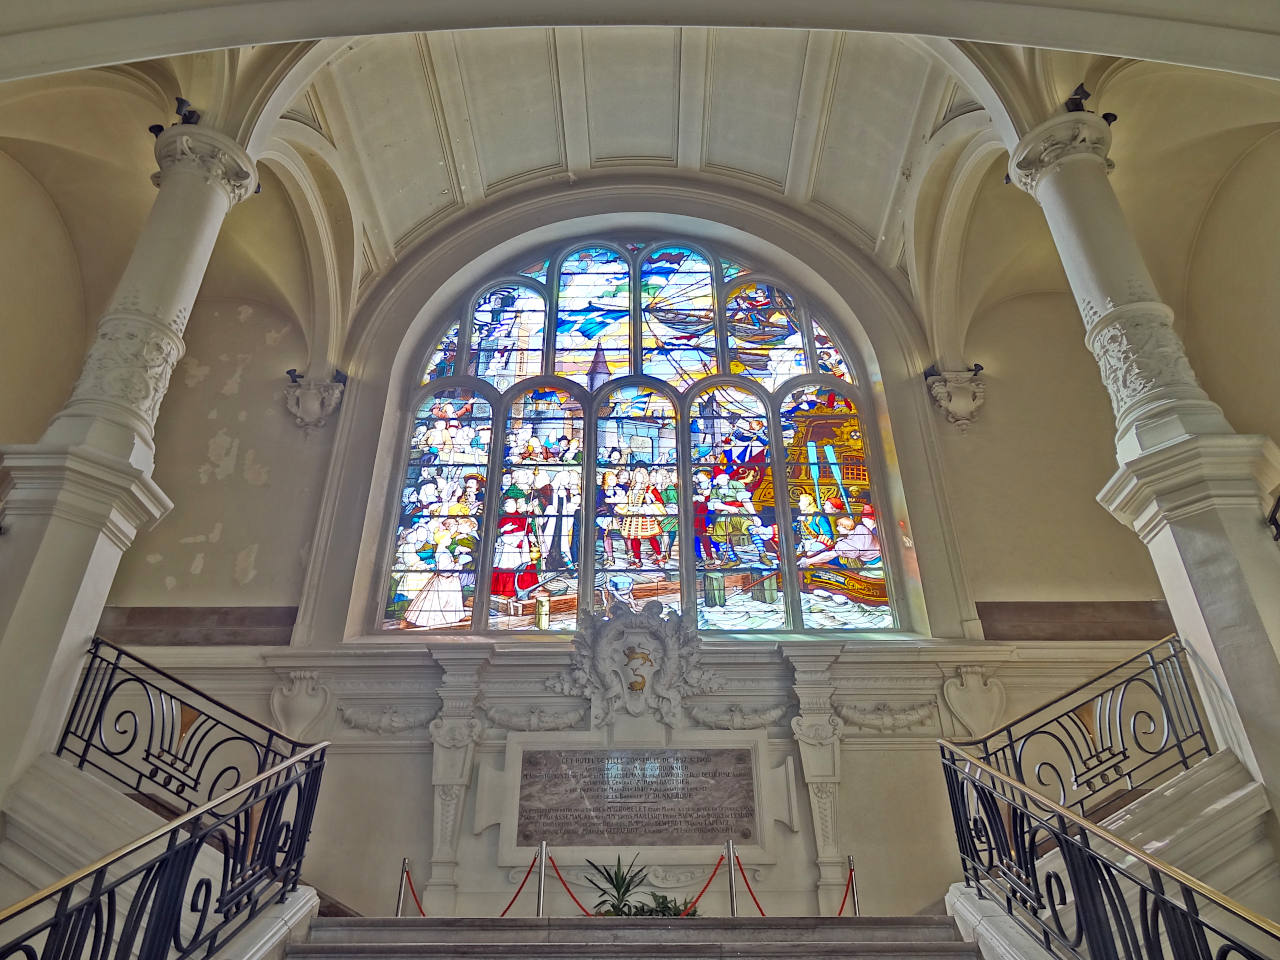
387, 719
639, 664
737, 717
534, 718
888, 717
1065, 137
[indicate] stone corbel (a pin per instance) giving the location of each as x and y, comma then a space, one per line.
957, 393
313, 402
302, 705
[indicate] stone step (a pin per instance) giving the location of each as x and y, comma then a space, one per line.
445, 930
667, 949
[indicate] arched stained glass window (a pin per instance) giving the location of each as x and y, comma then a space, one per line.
685, 433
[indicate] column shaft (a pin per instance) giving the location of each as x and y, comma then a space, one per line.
76, 499
1187, 483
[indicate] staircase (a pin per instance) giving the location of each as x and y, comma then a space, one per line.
1103, 824
606, 938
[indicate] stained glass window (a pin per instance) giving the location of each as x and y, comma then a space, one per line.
765, 340
593, 322
677, 316
506, 335
433, 572
637, 514
835, 530
742, 503
534, 585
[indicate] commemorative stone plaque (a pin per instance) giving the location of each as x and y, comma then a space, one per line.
636, 797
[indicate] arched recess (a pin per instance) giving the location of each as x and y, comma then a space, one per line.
413, 304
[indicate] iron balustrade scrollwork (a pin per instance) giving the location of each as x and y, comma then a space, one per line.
1082, 892
185, 889
1127, 729
161, 737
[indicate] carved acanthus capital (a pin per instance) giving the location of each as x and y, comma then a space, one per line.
1064, 137
215, 157
958, 393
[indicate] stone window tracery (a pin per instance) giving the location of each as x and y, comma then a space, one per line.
628, 423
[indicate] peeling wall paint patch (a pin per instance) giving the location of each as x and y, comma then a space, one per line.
255, 474
242, 416
244, 312
170, 582
216, 533
193, 371
213, 414
245, 570
223, 450
232, 385
154, 558
275, 336
197, 563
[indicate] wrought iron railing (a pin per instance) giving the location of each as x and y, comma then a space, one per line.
161, 737
185, 889
1082, 892
1122, 731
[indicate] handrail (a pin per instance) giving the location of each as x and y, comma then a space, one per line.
171, 825
170, 904
1126, 729
160, 671
143, 727
1146, 651
1002, 845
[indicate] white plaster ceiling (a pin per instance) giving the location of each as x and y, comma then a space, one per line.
427, 124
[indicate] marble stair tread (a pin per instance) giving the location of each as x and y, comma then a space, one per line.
669, 949
619, 929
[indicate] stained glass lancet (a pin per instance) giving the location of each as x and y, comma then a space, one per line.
678, 320
587, 499
593, 320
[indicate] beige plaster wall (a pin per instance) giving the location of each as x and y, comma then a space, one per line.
42, 327
244, 479
1022, 480
1232, 323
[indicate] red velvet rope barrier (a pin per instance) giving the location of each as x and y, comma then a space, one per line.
847, 887
748, 884
414, 893
566, 887
695, 900
521, 887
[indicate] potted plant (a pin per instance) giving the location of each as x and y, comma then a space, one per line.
619, 889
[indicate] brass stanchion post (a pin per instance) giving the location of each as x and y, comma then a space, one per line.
733, 886
404, 872
542, 875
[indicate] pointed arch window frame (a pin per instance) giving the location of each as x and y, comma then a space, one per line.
682, 402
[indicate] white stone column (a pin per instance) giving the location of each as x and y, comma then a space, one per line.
1192, 488
76, 499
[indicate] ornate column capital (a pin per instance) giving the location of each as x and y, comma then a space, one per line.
213, 156
1063, 137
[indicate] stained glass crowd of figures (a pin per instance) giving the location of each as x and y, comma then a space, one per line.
717, 547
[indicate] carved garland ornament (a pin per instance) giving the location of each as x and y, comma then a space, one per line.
637, 663
386, 719
1139, 353
885, 717
535, 718
738, 718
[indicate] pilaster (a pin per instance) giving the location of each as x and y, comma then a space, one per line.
454, 734
817, 731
